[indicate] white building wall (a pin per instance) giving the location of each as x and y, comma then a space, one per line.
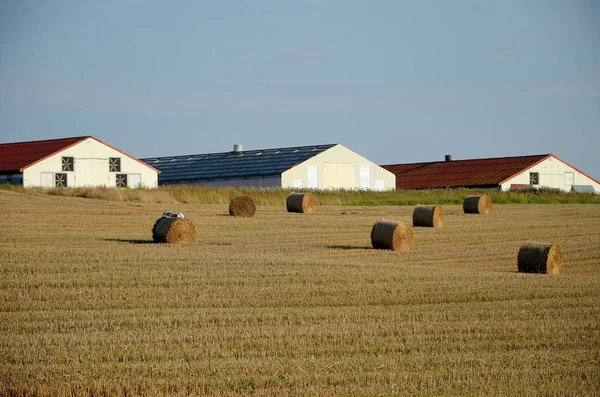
338, 167
91, 167
553, 173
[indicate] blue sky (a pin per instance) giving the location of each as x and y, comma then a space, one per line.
396, 81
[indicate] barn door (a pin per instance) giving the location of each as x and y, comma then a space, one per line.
365, 177
134, 180
47, 179
312, 172
339, 176
331, 176
346, 176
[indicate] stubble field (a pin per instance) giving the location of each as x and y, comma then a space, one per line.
293, 304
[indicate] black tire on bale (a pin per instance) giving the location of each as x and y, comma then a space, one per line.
428, 216
174, 231
477, 205
396, 236
539, 258
242, 206
300, 202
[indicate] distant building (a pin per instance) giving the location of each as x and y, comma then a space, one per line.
503, 173
315, 167
72, 162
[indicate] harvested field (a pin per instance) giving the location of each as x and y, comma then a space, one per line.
89, 305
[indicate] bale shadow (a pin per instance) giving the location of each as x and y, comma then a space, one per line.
130, 241
348, 247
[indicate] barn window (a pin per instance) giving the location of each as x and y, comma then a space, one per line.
569, 178
534, 178
121, 180
114, 164
67, 164
60, 180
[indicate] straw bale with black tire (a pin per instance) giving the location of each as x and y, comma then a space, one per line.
174, 231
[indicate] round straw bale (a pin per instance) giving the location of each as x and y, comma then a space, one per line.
300, 202
387, 234
477, 205
428, 215
174, 231
539, 258
242, 206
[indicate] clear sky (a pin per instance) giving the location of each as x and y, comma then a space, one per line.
395, 81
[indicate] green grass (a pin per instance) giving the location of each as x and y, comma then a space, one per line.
274, 196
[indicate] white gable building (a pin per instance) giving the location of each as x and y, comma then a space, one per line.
73, 162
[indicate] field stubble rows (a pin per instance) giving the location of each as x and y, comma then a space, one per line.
293, 303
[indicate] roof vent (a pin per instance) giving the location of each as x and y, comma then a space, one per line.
237, 148
448, 157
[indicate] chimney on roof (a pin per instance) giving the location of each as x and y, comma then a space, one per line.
448, 157
237, 148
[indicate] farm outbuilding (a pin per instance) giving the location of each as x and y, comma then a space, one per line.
502, 173
314, 167
72, 162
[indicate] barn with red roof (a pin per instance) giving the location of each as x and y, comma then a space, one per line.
72, 162
502, 173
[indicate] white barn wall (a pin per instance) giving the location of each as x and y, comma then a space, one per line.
349, 162
552, 175
90, 167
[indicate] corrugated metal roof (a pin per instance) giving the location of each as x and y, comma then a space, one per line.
194, 168
489, 172
583, 189
15, 156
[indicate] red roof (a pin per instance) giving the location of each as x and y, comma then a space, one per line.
15, 157
461, 173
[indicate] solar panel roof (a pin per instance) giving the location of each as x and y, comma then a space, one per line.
194, 168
